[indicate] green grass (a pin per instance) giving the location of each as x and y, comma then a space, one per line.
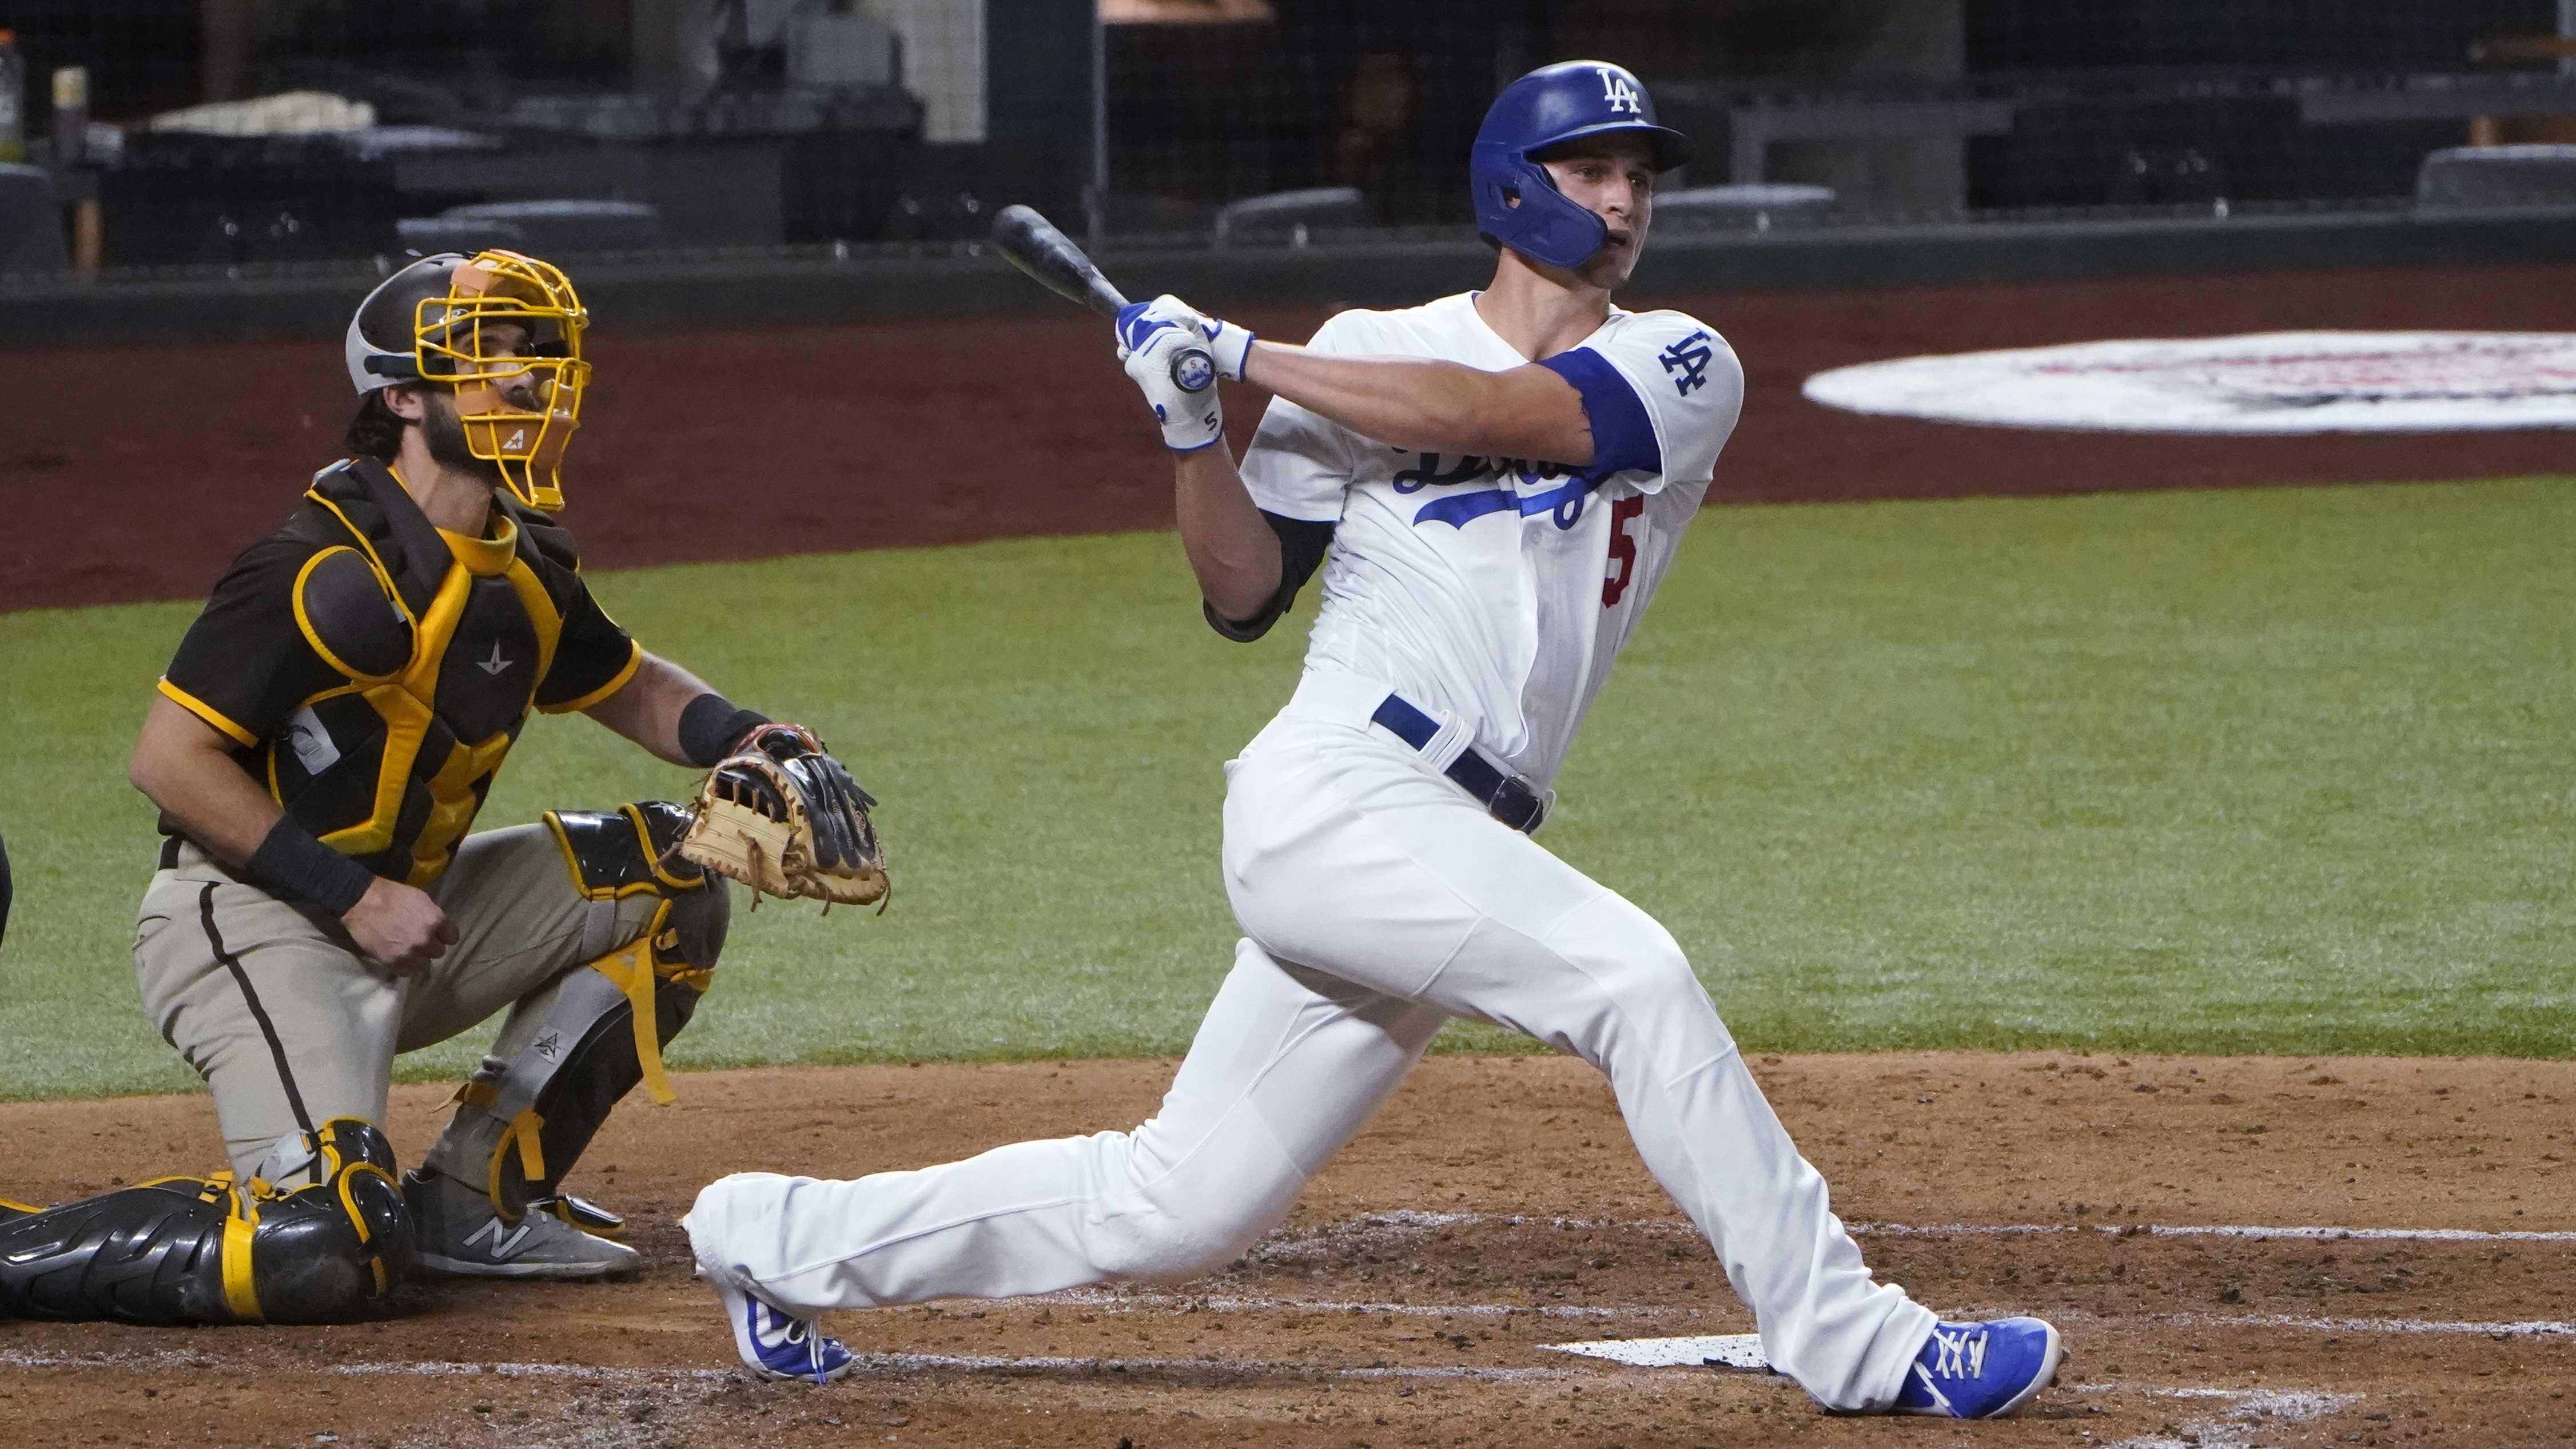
2278, 771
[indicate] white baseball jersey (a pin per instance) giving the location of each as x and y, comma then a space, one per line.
1497, 591
1378, 901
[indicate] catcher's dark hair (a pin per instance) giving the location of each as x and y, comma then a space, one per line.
376, 432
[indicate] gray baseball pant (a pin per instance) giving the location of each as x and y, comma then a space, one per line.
291, 1027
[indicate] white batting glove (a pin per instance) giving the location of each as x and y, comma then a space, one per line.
1172, 365
1226, 343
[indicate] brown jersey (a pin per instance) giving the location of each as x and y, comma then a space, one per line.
373, 670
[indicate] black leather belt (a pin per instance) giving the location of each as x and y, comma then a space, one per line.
1506, 796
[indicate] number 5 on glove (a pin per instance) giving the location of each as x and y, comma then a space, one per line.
784, 818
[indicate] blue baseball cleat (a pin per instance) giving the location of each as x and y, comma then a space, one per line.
1979, 1370
777, 1345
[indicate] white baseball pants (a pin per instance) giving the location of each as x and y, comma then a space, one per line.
1378, 901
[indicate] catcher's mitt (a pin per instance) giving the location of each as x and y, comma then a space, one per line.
784, 818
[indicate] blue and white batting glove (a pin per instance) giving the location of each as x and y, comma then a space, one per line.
1227, 344
1175, 371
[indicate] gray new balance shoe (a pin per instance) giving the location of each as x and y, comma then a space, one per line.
461, 1235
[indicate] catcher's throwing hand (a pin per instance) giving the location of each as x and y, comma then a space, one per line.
784, 818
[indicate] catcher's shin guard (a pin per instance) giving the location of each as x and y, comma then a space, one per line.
190, 1250
522, 1121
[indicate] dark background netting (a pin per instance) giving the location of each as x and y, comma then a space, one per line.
692, 124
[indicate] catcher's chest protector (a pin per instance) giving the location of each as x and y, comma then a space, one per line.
441, 642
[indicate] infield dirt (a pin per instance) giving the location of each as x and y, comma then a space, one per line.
1495, 1207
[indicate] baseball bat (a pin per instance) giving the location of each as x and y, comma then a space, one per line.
1031, 243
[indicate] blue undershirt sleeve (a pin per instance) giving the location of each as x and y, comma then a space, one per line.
1623, 437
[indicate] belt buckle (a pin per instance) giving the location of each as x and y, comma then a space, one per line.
1516, 793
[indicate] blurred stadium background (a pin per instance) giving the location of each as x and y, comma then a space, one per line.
2261, 769
164, 140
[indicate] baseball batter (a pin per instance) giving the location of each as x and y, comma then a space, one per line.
325, 734
1500, 480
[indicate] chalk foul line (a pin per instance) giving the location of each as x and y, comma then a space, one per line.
1714, 1350
1406, 1220
1096, 1298
2247, 1410
2205, 1230
895, 1364
1744, 1350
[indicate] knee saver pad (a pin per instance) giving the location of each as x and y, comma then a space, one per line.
616, 853
187, 1250
632, 850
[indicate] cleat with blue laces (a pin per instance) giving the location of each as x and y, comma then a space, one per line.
775, 1344
1979, 1370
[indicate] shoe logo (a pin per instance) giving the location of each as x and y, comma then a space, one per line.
546, 1046
505, 1239
494, 665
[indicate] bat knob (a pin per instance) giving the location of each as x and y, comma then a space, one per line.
1193, 369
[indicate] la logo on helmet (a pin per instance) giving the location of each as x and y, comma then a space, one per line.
1616, 90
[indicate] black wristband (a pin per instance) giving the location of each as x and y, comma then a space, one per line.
300, 870
710, 726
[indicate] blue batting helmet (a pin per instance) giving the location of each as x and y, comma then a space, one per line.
1549, 106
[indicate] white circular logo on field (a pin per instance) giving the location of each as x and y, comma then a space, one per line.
2266, 382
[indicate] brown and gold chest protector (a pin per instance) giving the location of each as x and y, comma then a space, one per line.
434, 648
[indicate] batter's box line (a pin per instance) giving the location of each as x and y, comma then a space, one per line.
2247, 1409
874, 1364
440, 1368
1182, 1369
2208, 1230
1409, 1221
2531, 1328
1219, 1303
1744, 1350
167, 1361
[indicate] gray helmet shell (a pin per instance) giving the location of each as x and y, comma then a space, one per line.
382, 347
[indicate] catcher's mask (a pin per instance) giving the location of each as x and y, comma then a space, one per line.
504, 331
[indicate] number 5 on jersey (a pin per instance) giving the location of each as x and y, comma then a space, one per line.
1623, 550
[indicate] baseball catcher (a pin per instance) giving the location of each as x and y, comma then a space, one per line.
325, 734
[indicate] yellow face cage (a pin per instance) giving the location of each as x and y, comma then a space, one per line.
507, 335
